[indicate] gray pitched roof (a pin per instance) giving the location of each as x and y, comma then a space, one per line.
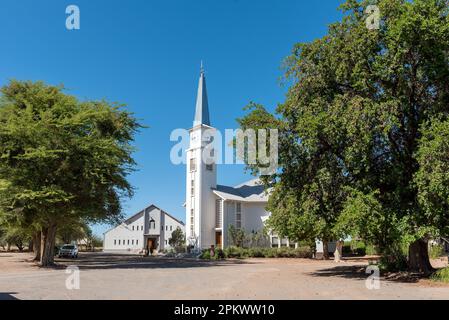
139, 214
202, 104
250, 191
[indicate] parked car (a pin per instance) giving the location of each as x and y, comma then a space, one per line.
68, 250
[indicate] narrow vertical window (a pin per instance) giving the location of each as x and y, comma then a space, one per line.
218, 213
238, 216
192, 222
192, 164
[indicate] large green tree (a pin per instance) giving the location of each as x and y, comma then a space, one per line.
354, 112
61, 159
432, 179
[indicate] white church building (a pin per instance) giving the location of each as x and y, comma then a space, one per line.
149, 229
212, 208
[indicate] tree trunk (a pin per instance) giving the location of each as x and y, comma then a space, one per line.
418, 257
338, 251
325, 250
37, 246
31, 246
48, 237
8, 247
19, 246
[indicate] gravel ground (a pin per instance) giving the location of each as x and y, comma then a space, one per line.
108, 276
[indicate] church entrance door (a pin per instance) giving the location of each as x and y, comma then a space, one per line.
218, 241
151, 245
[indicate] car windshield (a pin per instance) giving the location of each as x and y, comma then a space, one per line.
68, 247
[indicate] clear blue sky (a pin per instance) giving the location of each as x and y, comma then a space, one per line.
147, 53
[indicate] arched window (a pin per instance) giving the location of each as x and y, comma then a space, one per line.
152, 224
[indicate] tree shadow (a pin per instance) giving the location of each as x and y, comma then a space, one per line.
359, 272
114, 261
8, 296
342, 271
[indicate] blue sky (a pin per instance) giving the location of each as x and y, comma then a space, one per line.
147, 53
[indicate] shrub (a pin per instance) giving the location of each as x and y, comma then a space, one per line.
360, 252
286, 252
371, 250
393, 261
441, 275
236, 236
205, 255
256, 253
436, 251
241, 253
219, 254
347, 250
303, 252
270, 253
355, 248
233, 252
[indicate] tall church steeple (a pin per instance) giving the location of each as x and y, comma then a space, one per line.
202, 105
201, 176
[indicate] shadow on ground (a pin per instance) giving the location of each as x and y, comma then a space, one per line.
8, 296
341, 271
359, 272
103, 261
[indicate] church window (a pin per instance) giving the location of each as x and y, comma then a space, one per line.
119, 242
283, 242
238, 216
209, 167
171, 228
192, 221
137, 242
133, 228
128, 242
115, 242
275, 242
218, 213
192, 186
152, 224
132, 241
192, 164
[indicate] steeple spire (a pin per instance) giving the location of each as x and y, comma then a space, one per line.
202, 105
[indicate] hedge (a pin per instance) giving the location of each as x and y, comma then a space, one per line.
242, 253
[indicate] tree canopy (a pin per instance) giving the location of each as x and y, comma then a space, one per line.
358, 106
61, 159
